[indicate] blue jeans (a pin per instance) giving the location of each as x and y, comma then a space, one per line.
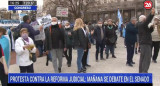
40, 48
49, 56
111, 48
39, 45
80, 53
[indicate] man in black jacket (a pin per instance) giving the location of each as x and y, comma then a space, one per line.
57, 44
99, 34
130, 39
145, 41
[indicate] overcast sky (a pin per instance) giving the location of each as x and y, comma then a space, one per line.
4, 3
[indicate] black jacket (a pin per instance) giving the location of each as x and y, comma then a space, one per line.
110, 33
48, 41
131, 33
55, 38
97, 34
80, 39
90, 28
145, 32
68, 38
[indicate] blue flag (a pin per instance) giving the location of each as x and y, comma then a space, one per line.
120, 19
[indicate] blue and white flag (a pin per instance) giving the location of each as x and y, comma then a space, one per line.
120, 19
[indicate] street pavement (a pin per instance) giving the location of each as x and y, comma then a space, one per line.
110, 65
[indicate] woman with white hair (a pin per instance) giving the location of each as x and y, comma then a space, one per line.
155, 37
24, 47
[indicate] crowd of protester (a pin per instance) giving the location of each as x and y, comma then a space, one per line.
57, 40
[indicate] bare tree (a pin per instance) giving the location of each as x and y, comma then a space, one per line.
77, 8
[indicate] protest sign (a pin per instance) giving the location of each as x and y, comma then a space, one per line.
62, 12
45, 21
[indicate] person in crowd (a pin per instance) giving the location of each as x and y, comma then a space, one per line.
68, 36
91, 29
5, 44
155, 37
80, 42
121, 30
39, 39
85, 55
117, 32
26, 24
137, 47
10, 34
99, 35
47, 45
3, 67
24, 46
130, 38
110, 38
124, 35
145, 41
57, 44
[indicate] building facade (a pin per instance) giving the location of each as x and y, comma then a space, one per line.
157, 3
106, 9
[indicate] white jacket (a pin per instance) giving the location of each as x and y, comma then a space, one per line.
155, 34
22, 56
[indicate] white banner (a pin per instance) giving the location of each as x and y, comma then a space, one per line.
40, 36
62, 12
45, 21
9, 23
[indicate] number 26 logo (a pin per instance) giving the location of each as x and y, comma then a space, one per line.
148, 5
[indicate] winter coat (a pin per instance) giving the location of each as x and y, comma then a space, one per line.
131, 33
22, 55
144, 32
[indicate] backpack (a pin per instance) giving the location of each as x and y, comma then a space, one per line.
16, 33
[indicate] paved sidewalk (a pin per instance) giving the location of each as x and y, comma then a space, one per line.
110, 65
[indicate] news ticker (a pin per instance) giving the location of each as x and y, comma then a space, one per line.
79, 78
22, 5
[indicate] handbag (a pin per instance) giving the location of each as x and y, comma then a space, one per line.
89, 45
112, 39
32, 56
